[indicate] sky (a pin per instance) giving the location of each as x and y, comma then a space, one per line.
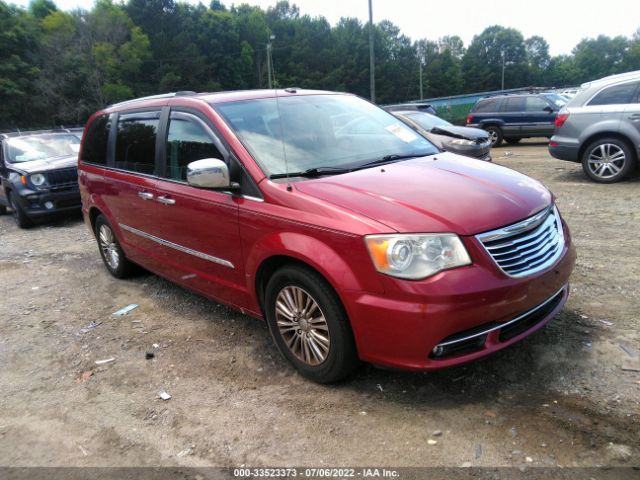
562, 23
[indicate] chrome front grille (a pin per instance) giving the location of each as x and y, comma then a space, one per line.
526, 247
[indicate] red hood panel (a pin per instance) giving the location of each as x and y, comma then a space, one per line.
442, 193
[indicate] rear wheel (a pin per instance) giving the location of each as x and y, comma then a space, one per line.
309, 325
111, 251
495, 135
3, 210
19, 215
607, 160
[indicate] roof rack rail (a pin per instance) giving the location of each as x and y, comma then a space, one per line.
21, 132
181, 93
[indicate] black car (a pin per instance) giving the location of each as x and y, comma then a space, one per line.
38, 175
514, 117
471, 142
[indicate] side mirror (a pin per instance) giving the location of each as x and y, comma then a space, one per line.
548, 109
209, 173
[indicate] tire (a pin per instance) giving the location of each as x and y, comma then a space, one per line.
111, 252
3, 210
319, 343
495, 135
19, 215
513, 141
608, 160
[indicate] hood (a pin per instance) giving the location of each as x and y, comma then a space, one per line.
466, 133
439, 193
46, 164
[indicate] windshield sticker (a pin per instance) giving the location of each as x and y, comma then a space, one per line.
403, 134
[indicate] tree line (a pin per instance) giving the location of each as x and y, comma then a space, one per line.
58, 67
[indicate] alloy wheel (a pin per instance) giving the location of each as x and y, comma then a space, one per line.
302, 325
606, 160
109, 247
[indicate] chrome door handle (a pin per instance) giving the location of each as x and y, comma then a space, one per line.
166, 200
145, 195
635, 116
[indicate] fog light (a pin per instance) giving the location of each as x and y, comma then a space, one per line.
437, 351
48, 205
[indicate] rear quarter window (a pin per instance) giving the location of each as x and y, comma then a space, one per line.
489, 105
95, 143
616, 95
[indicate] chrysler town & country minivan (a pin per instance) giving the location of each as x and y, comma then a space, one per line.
353, 244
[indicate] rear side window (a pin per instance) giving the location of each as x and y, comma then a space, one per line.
95, 143
616, 95
512, 104
535, 104
136, 142
188, 140
489, 105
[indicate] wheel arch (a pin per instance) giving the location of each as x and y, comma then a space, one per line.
277, 250
608, 134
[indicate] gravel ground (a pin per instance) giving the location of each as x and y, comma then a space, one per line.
566, 396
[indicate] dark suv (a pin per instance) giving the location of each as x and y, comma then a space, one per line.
38, 174
514, 117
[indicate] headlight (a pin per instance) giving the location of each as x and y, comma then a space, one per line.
416, 256
38, 179
462, 141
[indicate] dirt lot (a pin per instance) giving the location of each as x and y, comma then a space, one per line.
560, 397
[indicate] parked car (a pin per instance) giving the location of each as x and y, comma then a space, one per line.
514, 117
471, 142
39, 175
420, 107
600, 128
370, 246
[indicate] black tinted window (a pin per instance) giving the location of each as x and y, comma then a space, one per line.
513, 104
136, 142
187, 141
95, 143
490, 105
535, 104
616, 95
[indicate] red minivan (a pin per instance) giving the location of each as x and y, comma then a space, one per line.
350, 234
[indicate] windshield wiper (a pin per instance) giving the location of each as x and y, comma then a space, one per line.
312, 172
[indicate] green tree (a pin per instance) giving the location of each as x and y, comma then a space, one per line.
18, 66
483, 60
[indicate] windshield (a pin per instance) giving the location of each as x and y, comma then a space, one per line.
40, 147
319, 131
427, 121
559, 100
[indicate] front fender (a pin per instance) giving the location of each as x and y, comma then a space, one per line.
351, 270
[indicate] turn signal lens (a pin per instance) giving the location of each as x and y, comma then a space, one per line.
23, 179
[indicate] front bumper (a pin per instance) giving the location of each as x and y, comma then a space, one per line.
401, 328
39, 204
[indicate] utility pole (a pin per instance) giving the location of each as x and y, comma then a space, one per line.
420, 59
270, 75
372, 66
503, 62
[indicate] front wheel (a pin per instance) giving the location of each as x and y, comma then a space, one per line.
309, 325
607, 160
19, 215
495, 135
